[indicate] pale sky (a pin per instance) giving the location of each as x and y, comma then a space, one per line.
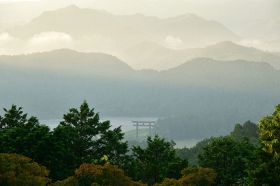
214, 9
231, 13
234, 14
8, 1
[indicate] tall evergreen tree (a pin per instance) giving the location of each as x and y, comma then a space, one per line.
157, 161
229, 158
22, 134
82, 138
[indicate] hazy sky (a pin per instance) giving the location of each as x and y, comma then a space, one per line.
232, 13
213, 8
7, 1
253, 20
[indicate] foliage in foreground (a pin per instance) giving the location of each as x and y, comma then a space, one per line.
17, 170
81, 139
265, 168
192, 177
91, 174
156, 162
228, 157
248, 130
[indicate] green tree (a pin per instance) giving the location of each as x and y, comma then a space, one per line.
265, 168
17, 170
22, 134
191, 154
62, 160
82, 138
229, 158
270, 133
157, 161
247, 130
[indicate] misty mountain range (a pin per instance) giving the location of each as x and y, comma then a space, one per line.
98, 30
144, 42
220, 93
151, 55
190, 69
260, 30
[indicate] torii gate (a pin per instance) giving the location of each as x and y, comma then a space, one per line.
138, 124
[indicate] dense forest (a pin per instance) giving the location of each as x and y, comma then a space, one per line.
83, 151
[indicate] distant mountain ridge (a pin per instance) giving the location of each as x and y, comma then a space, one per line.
153, 55
219, 93
238, 75
69, 61
129, 29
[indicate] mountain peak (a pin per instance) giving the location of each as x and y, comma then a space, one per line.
72, 7
62, 51
75, 10
66, 10
187, 16
233, 46
227, 44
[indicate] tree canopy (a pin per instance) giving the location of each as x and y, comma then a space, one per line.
80, 138
192, 177
98, 153
17, 170
22, 134
228, 157
157, 161
91, 174
270, 133
248, 130
266, 166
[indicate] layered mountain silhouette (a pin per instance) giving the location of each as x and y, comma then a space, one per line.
219, 93
126, 30
69, 62
151, 55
